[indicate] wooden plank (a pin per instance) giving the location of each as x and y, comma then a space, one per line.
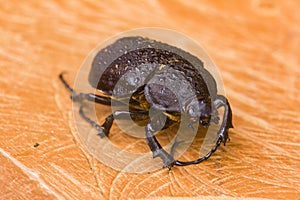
255, 45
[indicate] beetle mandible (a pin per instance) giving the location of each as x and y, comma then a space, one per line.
147, 61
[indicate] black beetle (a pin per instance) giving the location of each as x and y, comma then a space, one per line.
140, 63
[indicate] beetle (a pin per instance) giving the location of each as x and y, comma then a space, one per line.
155, 75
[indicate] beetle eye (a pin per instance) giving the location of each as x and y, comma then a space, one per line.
193, 111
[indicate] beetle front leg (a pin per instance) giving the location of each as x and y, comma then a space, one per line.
157, 150
227, 118
222, 133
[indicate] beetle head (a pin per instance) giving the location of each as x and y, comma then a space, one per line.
199, 110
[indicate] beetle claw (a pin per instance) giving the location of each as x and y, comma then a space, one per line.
155, 153
168, 160
101, 134
224, 137
169, 164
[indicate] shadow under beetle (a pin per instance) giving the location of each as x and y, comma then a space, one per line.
148, 62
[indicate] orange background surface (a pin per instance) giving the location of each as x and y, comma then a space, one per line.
255, 45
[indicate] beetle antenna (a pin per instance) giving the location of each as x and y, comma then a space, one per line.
66, 84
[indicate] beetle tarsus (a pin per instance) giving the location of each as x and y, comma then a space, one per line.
168, 160
101, 132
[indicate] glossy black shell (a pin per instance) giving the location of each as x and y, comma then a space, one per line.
127, 64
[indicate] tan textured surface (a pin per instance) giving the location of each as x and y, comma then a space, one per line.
256, 46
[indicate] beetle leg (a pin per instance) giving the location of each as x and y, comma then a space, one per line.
157, 150
101, 132
105, 127
92, 97
123, 115
222, 133
81, 96
227, 119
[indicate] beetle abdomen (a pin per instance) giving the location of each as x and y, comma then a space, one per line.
133, 69
105, 57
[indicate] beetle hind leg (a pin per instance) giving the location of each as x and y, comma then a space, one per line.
102, 132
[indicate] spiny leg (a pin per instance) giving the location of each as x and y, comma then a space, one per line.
222, 133
155, 147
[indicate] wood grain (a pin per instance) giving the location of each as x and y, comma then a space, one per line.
255, 45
